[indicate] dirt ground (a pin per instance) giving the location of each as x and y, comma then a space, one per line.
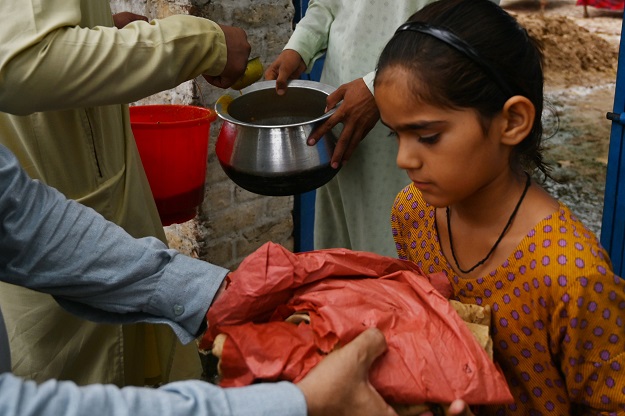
581, 56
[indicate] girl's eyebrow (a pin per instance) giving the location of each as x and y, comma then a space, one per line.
415, 126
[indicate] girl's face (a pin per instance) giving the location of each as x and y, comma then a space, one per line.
446, 152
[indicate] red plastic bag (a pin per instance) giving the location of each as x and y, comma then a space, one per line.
432, 356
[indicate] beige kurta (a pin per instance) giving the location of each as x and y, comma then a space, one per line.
353, 209
64, 70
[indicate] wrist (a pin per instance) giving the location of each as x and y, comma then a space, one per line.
222, 288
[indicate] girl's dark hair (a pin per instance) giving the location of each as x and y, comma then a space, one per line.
502, 60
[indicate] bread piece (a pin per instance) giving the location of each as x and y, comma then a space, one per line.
477, 319
299, 317
472, 313
218, 349
482, 335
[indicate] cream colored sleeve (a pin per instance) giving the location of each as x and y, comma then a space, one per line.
369, 79
48, 62
310, 38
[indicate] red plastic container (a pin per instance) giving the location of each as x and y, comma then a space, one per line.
173, 144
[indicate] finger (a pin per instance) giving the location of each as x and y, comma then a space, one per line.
342, 145
271, 72
355, 138
347, 154
281, 81
317, 134
324, 128
320, 131
334, 98
338, 157
369, 345
459, 408
219, 81
215, 81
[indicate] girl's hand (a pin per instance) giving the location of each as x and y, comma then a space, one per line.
288, 65
123, 18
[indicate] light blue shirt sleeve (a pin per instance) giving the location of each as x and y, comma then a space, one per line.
193, 398
98, 271
92, 266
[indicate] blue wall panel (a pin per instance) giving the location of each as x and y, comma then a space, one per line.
613, 222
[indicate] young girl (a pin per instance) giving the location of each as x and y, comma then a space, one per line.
461, 87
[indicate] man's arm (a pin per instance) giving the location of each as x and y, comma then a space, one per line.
20, 397
57, 246
92, 266
49, 62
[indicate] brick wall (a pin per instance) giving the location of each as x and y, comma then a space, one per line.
232, 222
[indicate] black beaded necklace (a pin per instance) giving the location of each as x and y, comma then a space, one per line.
479, 263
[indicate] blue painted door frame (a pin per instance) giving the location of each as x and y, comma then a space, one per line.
304, 204
613, 221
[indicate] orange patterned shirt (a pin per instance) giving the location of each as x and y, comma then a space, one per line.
558, 311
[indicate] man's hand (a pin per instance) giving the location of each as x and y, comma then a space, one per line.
456, 408
459, 408
123, 18
288, 65
358, 113
238, 53
339, 384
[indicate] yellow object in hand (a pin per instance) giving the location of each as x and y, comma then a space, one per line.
253, 72
224, 102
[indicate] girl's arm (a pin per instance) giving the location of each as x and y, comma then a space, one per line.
593, 341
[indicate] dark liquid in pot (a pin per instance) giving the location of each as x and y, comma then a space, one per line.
281, 185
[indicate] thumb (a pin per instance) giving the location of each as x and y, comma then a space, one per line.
369, 345
459, 408
271, 72
282, 81
335, 98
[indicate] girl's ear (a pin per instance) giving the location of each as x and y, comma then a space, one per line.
518, 114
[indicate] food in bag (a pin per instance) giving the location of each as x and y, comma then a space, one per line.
282, 312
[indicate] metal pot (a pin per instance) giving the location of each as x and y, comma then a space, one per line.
262, 142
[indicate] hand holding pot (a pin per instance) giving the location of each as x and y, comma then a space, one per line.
358, 113
288, 65
238, 53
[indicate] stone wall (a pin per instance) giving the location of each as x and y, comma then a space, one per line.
232, 222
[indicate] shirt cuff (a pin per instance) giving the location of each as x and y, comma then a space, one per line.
186, 290
369, 78
281, 398
307, 44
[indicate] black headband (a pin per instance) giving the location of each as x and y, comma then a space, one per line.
446, 36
